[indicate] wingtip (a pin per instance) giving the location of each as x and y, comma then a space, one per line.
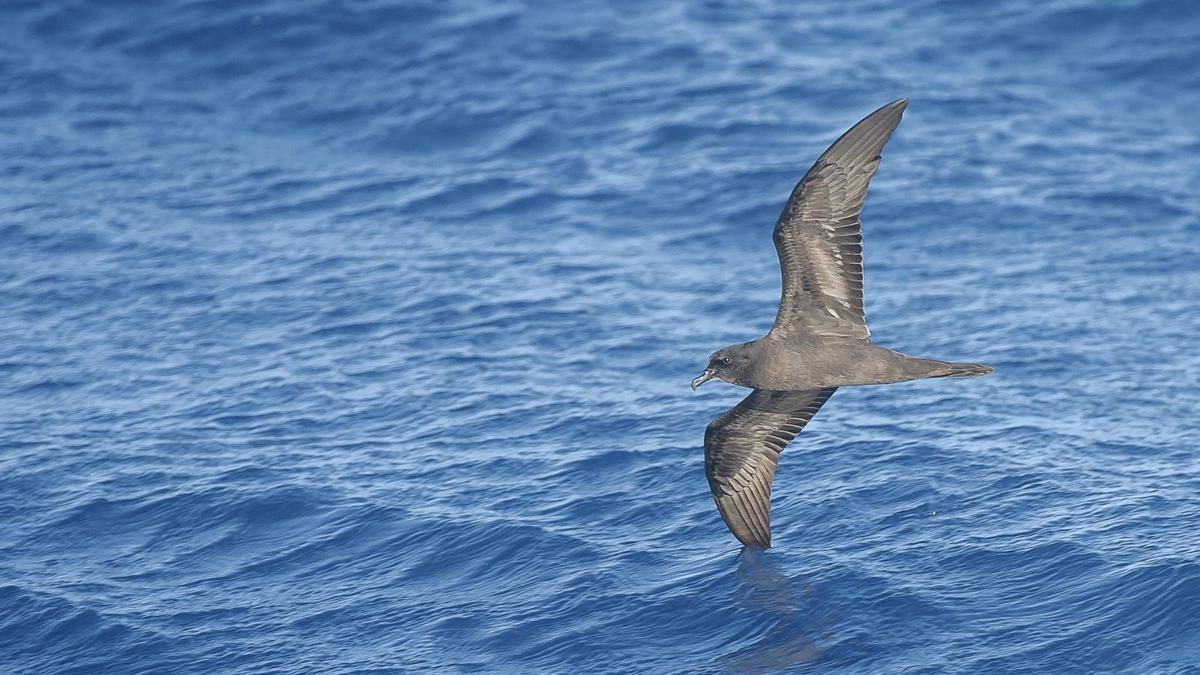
894, 108
751, 539
742, 525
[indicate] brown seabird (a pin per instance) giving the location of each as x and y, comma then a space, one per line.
819, 341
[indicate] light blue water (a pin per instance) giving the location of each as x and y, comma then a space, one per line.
348, 336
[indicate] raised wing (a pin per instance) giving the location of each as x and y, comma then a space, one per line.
819, 234
741, 451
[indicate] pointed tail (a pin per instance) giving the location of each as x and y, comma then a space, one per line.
945, 369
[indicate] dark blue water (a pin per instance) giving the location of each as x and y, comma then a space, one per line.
350, 336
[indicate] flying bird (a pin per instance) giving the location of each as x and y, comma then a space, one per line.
819, 341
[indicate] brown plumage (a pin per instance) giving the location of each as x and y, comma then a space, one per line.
819, 341
741, 451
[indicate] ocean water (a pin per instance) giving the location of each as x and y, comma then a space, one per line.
354, 336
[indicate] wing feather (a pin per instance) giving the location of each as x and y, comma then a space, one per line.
819, 234
741, 452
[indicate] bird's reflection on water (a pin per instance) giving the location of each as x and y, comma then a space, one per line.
787, 606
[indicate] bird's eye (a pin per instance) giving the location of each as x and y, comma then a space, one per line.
726, 360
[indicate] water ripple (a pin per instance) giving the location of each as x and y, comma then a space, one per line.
355, 337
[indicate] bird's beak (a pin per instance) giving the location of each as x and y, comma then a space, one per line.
707, 375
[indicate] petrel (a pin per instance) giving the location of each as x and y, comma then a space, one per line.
820, 340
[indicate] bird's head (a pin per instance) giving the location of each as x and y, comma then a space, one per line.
731, 364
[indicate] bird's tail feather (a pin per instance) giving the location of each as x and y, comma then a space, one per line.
946, 369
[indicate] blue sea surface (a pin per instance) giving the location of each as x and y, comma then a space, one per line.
354, 336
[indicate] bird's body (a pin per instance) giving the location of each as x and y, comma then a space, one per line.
820, 340
812, 362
